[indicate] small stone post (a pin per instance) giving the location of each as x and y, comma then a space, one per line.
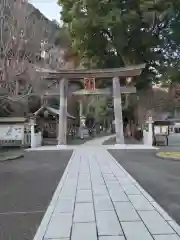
80, 110
150, 132
33, 139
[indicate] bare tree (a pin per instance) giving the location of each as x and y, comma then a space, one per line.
23, 32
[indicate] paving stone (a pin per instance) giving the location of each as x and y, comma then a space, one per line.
84, 177
124, 180
105, 170
68, 193
109, 177
117, 170
119, 173
84, 231
84, 212
56, 239
155, 223
108, 224
59, 226
70, 183
113, 184
97, 181
65, 206
115, 166
103, 203
94, 163
149, 198
140, 202
100, 190
111, 238
175, 226
130, 189
73, 171
95, 170
84, 196
126, 211
69, 189
166, 237
117, 195
84, 185
138, 186
96, 176
136, 231
161, 211
84, 169
72, 174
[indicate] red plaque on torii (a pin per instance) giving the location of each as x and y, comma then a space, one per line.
89, 84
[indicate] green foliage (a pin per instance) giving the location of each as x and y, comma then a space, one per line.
101, 108
63, 38
119, 33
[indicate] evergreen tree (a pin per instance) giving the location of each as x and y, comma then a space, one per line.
114, 33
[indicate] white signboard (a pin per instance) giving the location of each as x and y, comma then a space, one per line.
11, 132
164, 129
157, 130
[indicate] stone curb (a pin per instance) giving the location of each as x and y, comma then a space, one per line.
168, 157
11, 158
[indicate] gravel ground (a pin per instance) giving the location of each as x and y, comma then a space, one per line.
26, 188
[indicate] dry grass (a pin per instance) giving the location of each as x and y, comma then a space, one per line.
170, 155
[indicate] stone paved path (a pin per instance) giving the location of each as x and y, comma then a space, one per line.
97, 199
99, 141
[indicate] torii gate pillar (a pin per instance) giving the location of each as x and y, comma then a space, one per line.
62, 136
118, 111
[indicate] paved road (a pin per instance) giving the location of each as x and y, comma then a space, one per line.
26, 188
161, 178
174, 140
112, 141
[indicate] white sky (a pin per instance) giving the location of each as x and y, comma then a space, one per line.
49, 8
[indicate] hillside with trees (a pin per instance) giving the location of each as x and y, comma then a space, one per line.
28, 41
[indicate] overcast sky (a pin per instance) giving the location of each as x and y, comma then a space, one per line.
49, 8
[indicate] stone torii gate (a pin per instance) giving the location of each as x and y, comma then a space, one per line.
63, 76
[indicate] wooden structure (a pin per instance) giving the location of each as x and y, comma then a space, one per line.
47, 119
67, 75
161, 132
